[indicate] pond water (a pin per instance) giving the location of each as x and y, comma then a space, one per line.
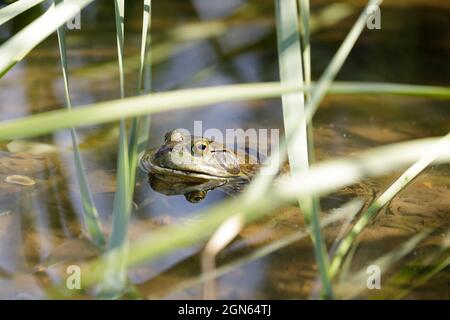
205, 43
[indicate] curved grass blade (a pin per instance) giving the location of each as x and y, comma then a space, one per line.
305, 40
290, 58
417, 272
338, 60
357, 283
345, 212
339, 173
218, 241
91, 218
397, 186
114, 279
140, 126
306, 58
14, 9
16, 48
144, 125
147, 81
317, 96
189, 98
180, 38
144, 82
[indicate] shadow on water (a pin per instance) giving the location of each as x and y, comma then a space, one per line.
199, 45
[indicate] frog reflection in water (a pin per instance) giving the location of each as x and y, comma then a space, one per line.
192, 166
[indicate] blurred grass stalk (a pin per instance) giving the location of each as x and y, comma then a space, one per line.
398, 185
91, 219
347, 211
103, 112
146, 83
351, 287
290, 56
114, 279
221, 238
304, 184
313, 103
338, 60
14, 9
322, 178
16, 48
291, 72
417, 272
140, 126
183, 37
115, 276
317, 95
305, 36
314, 201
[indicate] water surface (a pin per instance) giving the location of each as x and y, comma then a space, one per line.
198, 44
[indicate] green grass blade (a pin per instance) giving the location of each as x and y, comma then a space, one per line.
132, 154
140, 126
347, 211
145, 47
180, 38
16, 48
119, 6
372, 163
397, 186
190, 98
317, 95
291, 72
417, 272
353, 286
314, 100
146, 61
14, 9
144, 126
91, 218
338, 60
114, 280
306, 58
323, 178
305, 40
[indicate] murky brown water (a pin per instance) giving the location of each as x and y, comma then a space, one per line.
40, 224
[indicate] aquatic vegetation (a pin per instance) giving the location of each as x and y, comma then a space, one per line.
218, 226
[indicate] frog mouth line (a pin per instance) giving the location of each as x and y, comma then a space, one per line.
149, 167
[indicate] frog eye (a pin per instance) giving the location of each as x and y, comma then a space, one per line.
201, 146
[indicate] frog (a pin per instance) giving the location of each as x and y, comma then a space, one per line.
194, 165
